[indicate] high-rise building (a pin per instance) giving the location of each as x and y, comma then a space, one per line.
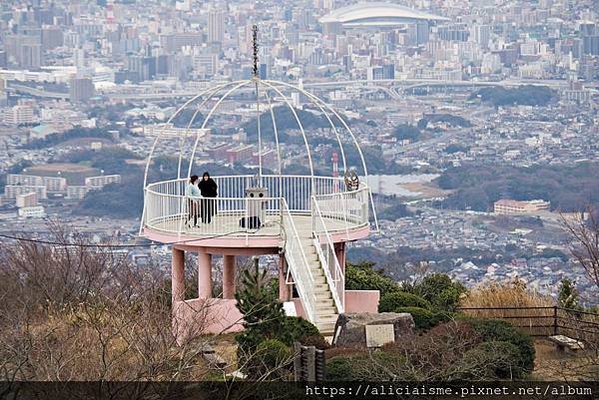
206, 64
24, 51
144, 67
172, 43
590, 45
418, 33
98, 182
386, 71
81, 90
52, 37
79, 58
455, 32
11, 191
26, 200
216, 26
481, 34
19, 114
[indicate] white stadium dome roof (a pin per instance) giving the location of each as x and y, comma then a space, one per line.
377, 14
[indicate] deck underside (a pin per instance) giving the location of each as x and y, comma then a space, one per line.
229, 225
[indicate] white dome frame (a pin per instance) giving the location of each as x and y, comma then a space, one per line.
224, 91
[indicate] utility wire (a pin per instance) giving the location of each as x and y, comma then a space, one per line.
107, 245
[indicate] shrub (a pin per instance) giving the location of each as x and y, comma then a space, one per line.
296, 330
317, 341
489, 361
432, 354
271, 359
440, 291
339, 369
424, 319
394, 300
501, 331
376, 366
364, 277
568, 296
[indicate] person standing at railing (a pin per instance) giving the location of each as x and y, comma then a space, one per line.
209, 190
193, 195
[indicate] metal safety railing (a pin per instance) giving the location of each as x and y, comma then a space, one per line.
325, 248
167, 209
350, 207
297, 263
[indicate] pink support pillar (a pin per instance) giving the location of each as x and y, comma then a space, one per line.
340, 254
178, 275
284, 289
204, 275
228, 277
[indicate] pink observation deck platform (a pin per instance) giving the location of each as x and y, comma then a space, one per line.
305, 220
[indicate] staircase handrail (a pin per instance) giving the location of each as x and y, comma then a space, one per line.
337, 282
302, 275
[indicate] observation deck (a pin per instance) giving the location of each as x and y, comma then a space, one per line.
314, 205
304, 219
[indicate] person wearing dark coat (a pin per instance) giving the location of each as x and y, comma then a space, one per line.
209, 190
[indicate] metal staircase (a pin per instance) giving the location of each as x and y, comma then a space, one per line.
315, 269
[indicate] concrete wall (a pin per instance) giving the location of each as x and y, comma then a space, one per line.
356, 301
205, 316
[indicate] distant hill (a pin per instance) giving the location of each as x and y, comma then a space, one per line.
529, 95
477, 187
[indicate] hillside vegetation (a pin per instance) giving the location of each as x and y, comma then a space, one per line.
529, 95
477, 187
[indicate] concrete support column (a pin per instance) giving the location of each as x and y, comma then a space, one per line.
284, 289
340, 254
204, 275
178, 275
228, 277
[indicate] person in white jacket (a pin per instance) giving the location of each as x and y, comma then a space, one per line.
192, 193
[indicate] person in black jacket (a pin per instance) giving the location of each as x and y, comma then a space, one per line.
209, 190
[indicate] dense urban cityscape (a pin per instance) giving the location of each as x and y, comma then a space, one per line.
478, 119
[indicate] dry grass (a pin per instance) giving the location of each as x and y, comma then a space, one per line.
507, 294
496, 297
552, 364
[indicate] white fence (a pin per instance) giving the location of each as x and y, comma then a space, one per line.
167, 209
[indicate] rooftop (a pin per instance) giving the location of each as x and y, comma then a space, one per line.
378, 14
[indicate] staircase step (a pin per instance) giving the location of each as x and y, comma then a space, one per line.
324, 303
326, 327
324, 310
328, 318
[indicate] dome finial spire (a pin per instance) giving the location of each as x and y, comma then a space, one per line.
255, 51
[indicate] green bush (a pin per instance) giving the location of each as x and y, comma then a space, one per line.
501, 331
339, 369
489, 361
439, 290
424, 319
317, 341
394, 300
364, 277
296, 330
375, 366
407, 132
272, 357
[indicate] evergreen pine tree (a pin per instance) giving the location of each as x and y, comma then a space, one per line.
568, 295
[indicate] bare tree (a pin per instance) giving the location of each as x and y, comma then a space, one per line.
71, 311
583, 230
